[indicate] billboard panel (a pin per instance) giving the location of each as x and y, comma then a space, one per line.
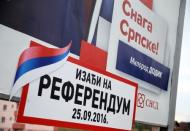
153, 102
77, 95
131, 29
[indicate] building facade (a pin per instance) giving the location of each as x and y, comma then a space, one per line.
8, 113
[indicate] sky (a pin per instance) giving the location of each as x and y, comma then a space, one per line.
183, 95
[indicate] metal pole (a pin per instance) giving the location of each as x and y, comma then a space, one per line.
174, 82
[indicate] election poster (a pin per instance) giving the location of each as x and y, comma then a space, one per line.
145, 33
62, 91
140, 39
93, 65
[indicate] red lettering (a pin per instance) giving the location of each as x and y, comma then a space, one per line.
154, 48
152, 104
139, 19
135, 16
123, 25
138, 38
143, 40
126, 3
131, 35
148, 46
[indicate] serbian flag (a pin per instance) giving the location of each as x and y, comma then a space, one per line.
37, 61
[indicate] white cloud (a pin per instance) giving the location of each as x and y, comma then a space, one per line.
183, 107
182, 117
184, 84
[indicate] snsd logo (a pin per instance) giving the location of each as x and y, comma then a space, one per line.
146, 102
141, 100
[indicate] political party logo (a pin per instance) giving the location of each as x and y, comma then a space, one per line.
141, 100
37, 61
144, 101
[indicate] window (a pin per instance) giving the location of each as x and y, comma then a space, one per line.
12, 106
3, 119
4, 107
10, 118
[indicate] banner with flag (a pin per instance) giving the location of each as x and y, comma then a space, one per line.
37, 61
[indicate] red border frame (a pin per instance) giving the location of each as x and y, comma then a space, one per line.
42, 121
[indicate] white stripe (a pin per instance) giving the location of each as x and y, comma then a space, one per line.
94, 20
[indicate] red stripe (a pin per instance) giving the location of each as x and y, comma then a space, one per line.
148, 3
41, 51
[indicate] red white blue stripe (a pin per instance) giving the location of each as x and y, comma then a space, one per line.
37, 61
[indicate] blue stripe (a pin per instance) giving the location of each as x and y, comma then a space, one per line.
38, 62
107, 9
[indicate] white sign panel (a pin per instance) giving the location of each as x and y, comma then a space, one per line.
153, 103
139, 27
79, 96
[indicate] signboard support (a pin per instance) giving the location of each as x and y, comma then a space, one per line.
6, 97
174, 80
